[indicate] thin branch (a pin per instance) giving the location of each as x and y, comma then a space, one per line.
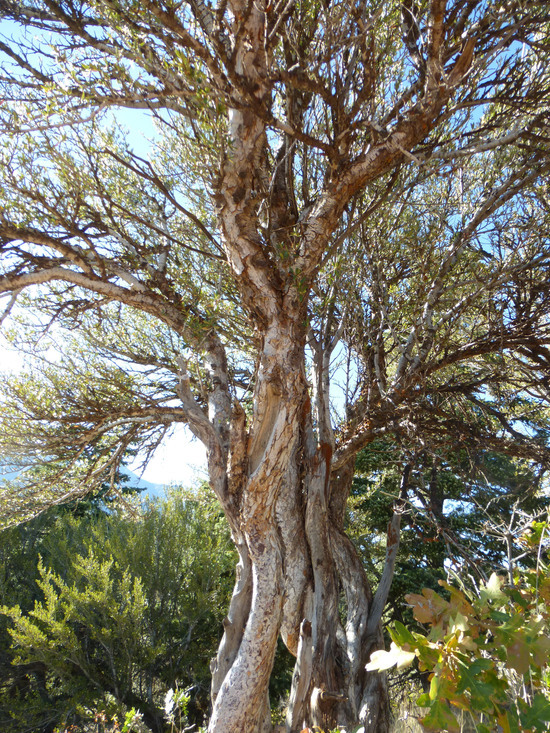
9, 306
392, 548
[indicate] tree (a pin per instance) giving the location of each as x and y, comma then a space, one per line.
461, 512
339, 196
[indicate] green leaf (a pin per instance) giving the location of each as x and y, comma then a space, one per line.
481, 728
401, 635
508, 721
480, 690
440, 718
500, 616
459, 622
428, 655
434, 687
424, 700
493, 589
537, 714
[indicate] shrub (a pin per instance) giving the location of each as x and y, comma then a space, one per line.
124, 610
486, 652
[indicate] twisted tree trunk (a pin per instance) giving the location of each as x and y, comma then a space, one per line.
298, 576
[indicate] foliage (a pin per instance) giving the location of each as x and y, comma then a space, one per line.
175, 708
117, 258
486, 651
122, 610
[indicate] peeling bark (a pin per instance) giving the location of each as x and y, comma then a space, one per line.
235, 621
241, 704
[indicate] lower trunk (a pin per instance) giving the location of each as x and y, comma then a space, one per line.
242, 701
300, 576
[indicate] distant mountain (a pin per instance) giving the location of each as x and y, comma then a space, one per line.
147, 488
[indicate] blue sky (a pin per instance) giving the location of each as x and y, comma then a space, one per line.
180, 459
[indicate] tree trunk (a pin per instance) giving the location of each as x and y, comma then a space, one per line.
299, 576
330, 685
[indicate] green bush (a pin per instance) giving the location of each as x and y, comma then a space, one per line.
124, 610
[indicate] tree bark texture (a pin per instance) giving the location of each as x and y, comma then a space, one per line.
297, 571
298, 575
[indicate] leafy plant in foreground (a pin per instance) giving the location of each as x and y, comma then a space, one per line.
486, 652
